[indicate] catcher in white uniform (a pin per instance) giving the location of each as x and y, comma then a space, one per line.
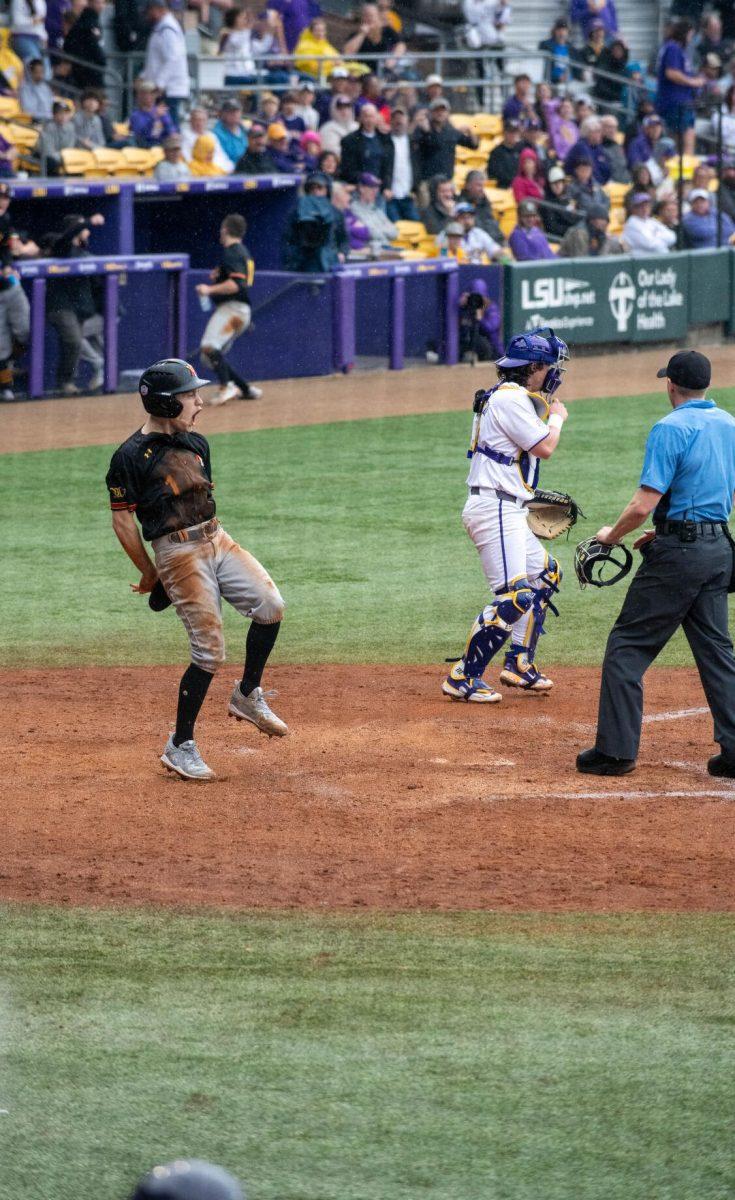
516, 424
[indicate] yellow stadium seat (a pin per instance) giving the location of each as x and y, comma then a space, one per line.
617, 192
106, 163
9, 108
121, 129
508, 220
689, 162
77, 162
410, 233
21, 136
139, 161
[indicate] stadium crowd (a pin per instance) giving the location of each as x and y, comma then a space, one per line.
585, 161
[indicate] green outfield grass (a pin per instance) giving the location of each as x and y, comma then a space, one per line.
358, 522
369, 1058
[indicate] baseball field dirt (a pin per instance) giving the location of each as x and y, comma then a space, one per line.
385, 795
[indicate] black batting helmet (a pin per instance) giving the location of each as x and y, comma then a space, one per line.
188, 1179
163, 381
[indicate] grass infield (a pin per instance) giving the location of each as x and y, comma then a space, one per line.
368, 1057
358, 522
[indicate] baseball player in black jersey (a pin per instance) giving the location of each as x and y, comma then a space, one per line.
162, 475
228, 292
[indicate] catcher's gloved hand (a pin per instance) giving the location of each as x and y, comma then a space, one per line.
552, 513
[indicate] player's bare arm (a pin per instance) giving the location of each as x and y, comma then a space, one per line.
128, 535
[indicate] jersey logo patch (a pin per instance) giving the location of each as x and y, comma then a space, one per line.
117, 493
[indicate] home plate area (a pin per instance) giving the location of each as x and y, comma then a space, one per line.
385, 794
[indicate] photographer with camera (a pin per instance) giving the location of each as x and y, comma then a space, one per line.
479, 325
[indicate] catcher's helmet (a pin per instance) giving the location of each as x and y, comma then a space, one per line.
188, 1179
592, 557
163, 381
537, 346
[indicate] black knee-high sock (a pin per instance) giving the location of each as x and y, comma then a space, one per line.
261, 640
192, 692
221, 366
238, 380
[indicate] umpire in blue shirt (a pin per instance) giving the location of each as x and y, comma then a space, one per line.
688, 481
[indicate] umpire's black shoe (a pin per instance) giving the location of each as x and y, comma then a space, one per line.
722, 765
594, 762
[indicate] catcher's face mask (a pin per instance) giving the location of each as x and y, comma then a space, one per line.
599, 565
538, 346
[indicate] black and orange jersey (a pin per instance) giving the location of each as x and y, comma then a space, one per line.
165, 479
236, 263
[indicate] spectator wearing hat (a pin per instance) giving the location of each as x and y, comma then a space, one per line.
527, 183
433, 89
678, 84
557, 68
257, 159
503, 160
166, 60
642, 233
173, 166
34, 95
374, 37
520, 106
590, 146
401, 169
614, 152
339, 85
477, 245
473, 193
701, 223
586, 13
558, 210
334, 131
150, 121
528, 241
197, 126
562, 128
229, 130
436, 141
86, 122
295, 16
84, 42
589, 238
313, 45
310, 151
449, 241
285, 154
203, 157
584, 190
306, 92
57, 135
269, 107
365, 208
442, 203
365, 151
358, 234
316, 238
645, 147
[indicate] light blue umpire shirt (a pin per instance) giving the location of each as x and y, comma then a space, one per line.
690, 459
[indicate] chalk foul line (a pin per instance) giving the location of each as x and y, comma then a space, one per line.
675, 716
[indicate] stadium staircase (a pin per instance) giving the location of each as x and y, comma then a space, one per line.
639, 21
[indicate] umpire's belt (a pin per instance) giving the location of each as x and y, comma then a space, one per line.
517, 500
689, 530
195, 533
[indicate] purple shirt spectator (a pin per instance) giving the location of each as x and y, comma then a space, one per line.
357, 232
640, 150
529, 244
583, 151
581, 14
296, 15
150, 127
55, 10
700, 230
672, 96
563, 131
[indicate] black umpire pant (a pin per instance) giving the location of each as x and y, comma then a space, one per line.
677, 584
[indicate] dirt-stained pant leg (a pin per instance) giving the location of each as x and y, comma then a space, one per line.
245, 583
188, 571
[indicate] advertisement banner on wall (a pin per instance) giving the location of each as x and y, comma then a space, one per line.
597, 300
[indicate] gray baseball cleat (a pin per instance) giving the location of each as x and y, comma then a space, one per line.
254, 708
186, 761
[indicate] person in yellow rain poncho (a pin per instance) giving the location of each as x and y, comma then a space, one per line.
11, 67
202, 156
312, 45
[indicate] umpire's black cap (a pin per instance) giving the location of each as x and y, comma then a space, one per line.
188, 1179
689, 370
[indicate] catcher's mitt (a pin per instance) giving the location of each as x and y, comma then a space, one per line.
552, 513
591, 558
